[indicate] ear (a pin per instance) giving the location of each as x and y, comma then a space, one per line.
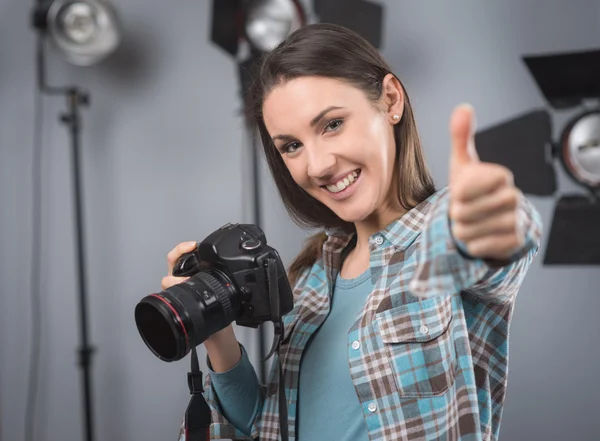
393, 97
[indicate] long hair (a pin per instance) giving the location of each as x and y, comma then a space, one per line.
332, 51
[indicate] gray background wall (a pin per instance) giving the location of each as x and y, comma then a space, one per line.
166, 161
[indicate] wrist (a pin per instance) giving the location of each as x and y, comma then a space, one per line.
223, 350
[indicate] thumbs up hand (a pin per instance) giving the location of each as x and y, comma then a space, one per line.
483, 198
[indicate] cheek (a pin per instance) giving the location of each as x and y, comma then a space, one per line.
388, 145
391, 153
383, 148
295, 169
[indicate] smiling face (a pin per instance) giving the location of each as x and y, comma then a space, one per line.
337, 143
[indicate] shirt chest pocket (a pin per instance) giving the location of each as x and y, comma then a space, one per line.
416, 341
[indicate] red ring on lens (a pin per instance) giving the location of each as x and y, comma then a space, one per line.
178, 319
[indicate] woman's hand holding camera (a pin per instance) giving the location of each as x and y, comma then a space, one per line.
174, 254
222, 347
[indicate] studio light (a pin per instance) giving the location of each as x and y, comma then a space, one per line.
362, 16
525, 145
268, 22
85, 32
258, 26
580, 149
246, 29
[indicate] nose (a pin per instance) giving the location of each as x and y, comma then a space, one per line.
320, 163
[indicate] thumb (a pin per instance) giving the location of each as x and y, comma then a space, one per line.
462, 129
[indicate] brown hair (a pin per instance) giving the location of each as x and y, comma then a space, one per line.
328, 50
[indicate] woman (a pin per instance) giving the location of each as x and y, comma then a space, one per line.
403, 304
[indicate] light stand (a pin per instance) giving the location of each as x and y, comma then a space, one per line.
229, 30
86, 31
72, 119
246, 75
261, 24
257, 220
525, 144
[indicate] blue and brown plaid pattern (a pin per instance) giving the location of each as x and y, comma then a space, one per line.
428, 351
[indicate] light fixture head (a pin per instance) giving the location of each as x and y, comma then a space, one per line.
85, 31
580, 149
269, 22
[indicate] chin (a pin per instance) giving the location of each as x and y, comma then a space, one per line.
356, 210
356, 215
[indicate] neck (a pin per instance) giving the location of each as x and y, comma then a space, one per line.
359, 257
374, 223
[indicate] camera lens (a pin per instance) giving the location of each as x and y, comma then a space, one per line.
181, 317
161, 327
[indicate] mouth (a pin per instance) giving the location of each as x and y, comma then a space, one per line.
343, 185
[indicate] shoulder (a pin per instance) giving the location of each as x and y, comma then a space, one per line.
309, 278
309, 283
440, 197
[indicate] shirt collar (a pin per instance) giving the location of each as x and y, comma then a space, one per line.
400, 233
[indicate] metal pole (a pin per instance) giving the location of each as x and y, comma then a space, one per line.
257, 219
76, 98
71, 118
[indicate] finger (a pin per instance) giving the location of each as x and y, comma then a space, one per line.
482, 180
175, 253
505, 222
498, 246
504, 199
169, 281
462, 125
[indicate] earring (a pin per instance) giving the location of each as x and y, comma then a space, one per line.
396, 117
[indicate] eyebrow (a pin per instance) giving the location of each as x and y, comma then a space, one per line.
313, 122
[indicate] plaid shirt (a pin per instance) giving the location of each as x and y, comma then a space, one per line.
428, 352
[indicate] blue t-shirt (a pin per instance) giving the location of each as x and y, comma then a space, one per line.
328, 407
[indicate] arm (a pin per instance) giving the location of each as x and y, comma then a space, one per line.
227, 419
225, 405
239, 393
231, 389
445, 266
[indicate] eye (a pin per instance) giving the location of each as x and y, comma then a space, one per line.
333, 125
290, 147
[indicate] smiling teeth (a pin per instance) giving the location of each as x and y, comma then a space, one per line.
342, 184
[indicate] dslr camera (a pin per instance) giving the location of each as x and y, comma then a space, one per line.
233, 276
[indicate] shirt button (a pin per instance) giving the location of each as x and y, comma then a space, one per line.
355, 345
379, 240
424, 329
372, 407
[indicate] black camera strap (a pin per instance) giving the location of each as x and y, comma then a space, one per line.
197, 414
283, 411
272, 282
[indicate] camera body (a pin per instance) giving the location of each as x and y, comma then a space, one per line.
233, 275
241, 254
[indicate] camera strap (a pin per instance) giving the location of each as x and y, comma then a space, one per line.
278, 329
197, 414
283, 410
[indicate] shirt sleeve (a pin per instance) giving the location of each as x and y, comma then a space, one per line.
227, 420
238, 393
445, 267
235, 398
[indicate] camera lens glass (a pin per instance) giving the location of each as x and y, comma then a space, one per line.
161, 329
181, 317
